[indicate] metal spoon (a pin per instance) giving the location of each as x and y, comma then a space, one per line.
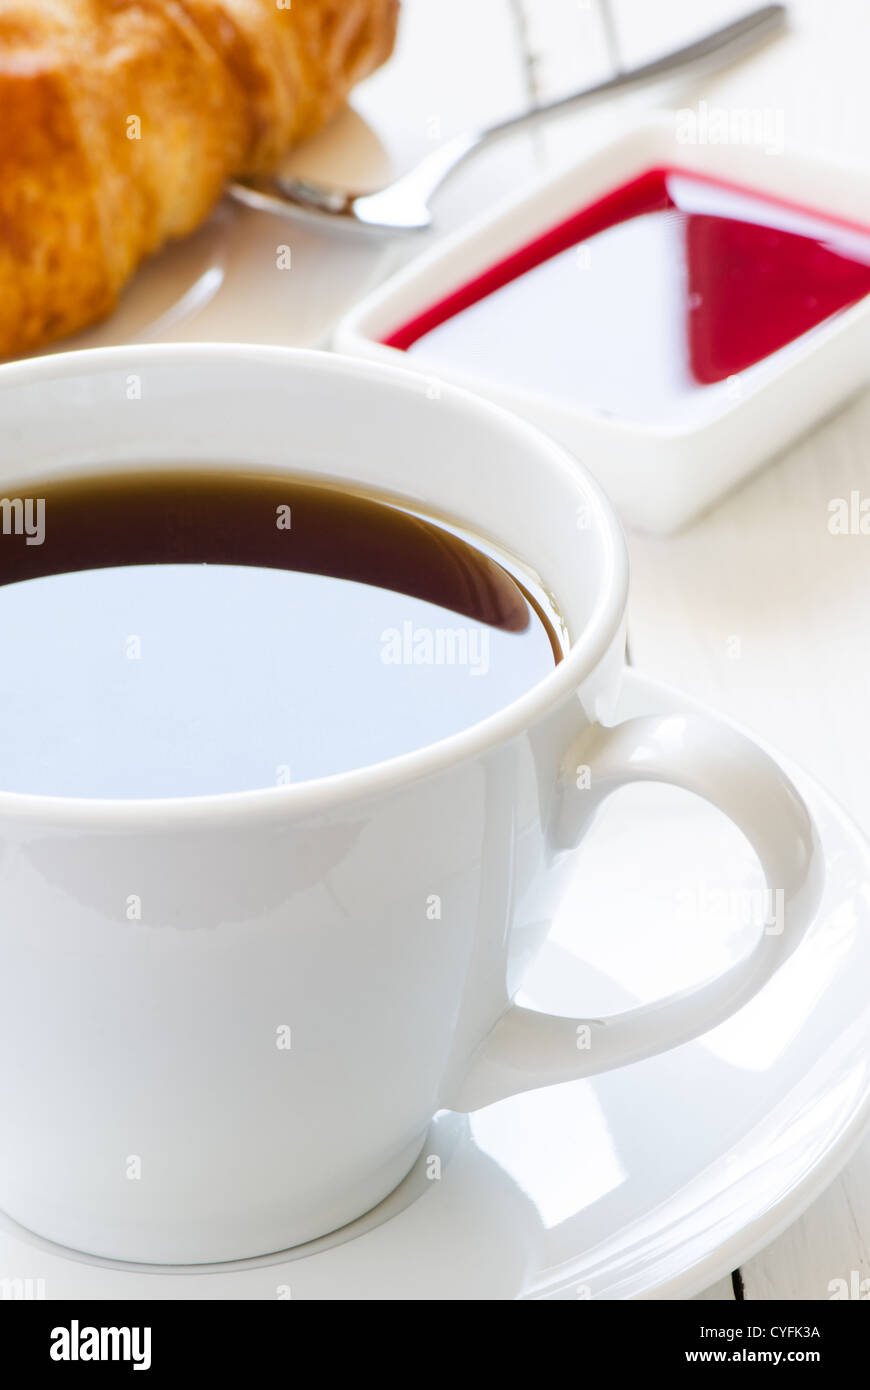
403, 206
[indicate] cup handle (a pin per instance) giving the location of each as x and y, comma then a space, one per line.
526, 1049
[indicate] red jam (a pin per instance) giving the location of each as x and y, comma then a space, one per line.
645, 303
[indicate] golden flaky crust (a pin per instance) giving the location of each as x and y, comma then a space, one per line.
217, 89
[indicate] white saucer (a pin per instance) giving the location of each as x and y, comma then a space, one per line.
649, 1182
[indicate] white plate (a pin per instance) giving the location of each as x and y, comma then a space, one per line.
660, 474
651, 1182
224, 284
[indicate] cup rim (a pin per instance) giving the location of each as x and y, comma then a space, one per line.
316, 795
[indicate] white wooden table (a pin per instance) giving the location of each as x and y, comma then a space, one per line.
762, 566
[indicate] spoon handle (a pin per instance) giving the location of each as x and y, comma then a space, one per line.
718, 48
405, 200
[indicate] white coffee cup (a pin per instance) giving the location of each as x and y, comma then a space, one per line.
150, 1107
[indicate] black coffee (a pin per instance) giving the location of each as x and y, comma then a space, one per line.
191, 632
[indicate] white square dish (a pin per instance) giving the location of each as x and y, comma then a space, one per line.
662, 470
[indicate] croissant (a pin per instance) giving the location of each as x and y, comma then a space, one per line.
121, 120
